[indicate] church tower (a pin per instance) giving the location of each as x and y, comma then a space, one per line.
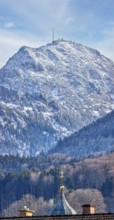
62, 207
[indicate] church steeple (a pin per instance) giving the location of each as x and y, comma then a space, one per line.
62, 207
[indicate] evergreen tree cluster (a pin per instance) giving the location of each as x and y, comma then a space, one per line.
40, 177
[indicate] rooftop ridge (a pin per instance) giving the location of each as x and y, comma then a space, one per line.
97, 216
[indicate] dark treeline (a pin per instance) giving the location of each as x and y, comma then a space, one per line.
40, 177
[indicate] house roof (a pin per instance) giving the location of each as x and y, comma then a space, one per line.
103, 216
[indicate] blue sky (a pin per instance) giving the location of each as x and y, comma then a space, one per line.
30, 23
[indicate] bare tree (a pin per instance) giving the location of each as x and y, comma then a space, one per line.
80, 197
40, 206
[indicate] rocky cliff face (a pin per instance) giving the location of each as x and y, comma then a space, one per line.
50, 92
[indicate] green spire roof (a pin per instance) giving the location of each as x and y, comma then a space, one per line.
62, 207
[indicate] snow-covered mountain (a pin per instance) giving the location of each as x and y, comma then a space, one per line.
50, 92
94, 139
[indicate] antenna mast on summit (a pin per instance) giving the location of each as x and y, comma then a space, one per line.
53, 35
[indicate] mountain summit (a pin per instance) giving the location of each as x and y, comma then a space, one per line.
50, 92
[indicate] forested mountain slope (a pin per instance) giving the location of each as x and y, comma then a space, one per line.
96, 138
